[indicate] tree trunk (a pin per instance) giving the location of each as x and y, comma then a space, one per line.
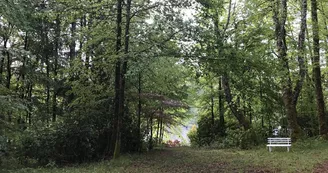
221, 109
26, 85
261, 99
118, 82
233, 107
212, 106
250, 113
8, 69
48, 88
23, 71
124, 68
151, 133
317, 70
139, 113
2, 60
162, 130
301, 52
89, 51
122, 79
47, 62
72, 46
56, 56
29, 97
280, 17
157, 132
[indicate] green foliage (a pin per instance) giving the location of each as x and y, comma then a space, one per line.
252, 137
67, 143
193, 137
234, 137
3, 147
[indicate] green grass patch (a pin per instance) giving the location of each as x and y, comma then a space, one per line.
303, 157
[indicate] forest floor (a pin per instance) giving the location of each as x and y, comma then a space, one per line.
303, 157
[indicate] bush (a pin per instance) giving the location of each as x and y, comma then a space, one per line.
3, 147
193, 137
252, 137
69, 143
206, 133
234, 138
76, 140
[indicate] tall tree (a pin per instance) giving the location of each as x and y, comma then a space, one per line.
55, 68
289, 96
117, 101
317, 71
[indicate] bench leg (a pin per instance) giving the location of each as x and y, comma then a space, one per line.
269, 149
287, 149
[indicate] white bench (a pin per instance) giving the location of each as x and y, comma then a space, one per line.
279, 142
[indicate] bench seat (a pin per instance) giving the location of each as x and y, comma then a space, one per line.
279, 145
279, 142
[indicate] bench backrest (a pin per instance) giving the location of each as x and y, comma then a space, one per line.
279, 141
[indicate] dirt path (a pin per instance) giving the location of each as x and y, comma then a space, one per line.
321, 168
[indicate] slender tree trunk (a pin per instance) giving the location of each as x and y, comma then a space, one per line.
233, 107
48, 88
244, 108
89, 51
25, 85
117, 108
2, 60
56, 56
29, 96
46, 55
8, 79
160, 130
23, 71
8, 69
157, 132
221, 109
261, 99
151, 133
250, 113
72, 45
317, 71
212, 107
81, 40
139, 113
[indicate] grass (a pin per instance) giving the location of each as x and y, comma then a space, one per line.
303, 157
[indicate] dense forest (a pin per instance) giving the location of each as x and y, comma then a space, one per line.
90, 79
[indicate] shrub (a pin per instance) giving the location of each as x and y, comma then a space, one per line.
234, 138
193, 137
3, 147
69, 143
249, 138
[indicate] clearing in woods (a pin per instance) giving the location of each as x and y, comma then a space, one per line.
303, 157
